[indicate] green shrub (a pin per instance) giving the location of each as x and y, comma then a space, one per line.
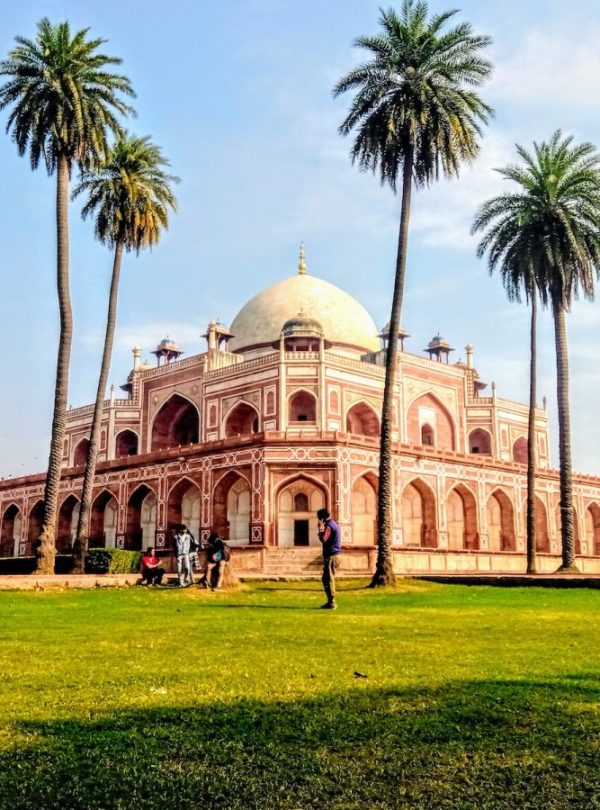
112, 561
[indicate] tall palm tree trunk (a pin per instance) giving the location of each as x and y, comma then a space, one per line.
531, 439
47, 539
384, 570
564, 437
81, 542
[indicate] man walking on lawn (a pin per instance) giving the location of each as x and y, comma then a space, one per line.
183, 547
329, 535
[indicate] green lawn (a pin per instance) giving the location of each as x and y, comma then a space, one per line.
475, 698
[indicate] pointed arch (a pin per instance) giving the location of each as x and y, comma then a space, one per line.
480, 441
363, 502
184, 504
362, 420
419, 515
241, 420
519, 450
177, 422
34, 527
427, 409
299, 528
10, 537
141, 517
127, 443
302, 406
500, 522
66, 529
592, 529
80, 453
461, 510
103, 520
232, 507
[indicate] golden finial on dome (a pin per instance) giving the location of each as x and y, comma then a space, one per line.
302, 264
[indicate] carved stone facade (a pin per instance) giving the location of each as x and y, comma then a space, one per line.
251, 442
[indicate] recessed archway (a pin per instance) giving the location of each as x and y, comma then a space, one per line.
362, 420
141, 518
419, 524
241, 421
126, 444
297, 503
11, 531
500, 522
364, 510
480, 442
429, 422
103, 521
81, 453
592, 529
302, 407
184, 505
34, 529
461, 510
232, 508
176, 423
519, 451
66, 529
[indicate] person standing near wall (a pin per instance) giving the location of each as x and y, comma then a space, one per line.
329, 535
183, 547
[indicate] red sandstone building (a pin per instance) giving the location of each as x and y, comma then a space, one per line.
279, 417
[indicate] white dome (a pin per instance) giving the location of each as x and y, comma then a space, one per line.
344, 320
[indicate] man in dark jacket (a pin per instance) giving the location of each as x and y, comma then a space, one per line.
218, 555
329, 535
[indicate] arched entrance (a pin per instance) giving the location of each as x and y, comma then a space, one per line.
480, 441
429, 423
141, 518
103, 521
419, 524
176, 423
500, 522
11, 532
66, 530
362, 421
126, 444
302, 407
297, 505
542, 535
81, 453
364, 510
592, 529
184, 506
241, 421
520, 450
462, 519
231, 509
36, 521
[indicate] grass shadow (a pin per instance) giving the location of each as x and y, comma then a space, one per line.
470, 744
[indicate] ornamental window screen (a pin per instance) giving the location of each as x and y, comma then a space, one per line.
301, 502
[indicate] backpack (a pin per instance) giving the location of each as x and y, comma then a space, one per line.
226, 551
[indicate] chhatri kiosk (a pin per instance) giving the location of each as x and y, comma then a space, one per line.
279, 416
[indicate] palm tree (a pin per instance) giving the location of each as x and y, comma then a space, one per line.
129, 194
510, 242
63, 100
416, 115
559, 205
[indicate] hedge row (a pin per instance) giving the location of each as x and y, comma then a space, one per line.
112, 561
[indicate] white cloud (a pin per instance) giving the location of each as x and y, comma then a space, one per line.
551, 69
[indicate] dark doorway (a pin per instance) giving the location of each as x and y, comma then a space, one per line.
301, 532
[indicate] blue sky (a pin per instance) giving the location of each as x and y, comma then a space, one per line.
238, 94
